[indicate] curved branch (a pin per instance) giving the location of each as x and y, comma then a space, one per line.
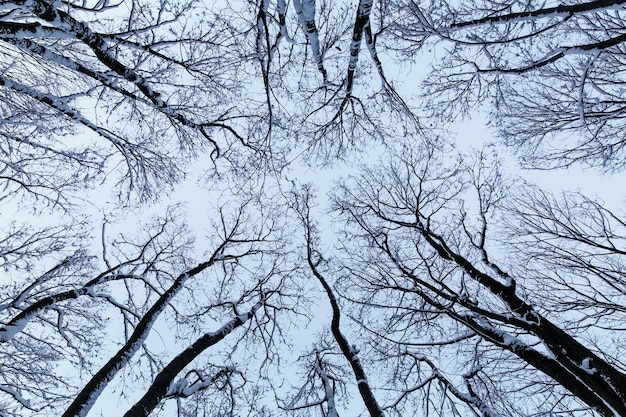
162, 385
559, 10
91, 391
349, 352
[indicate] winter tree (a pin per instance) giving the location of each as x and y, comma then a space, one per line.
551, 71
429, 282
122, 96
90, 88
521, 287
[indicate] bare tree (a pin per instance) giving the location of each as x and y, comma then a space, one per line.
437, 260
301, 205
328, 68
139, 79
324, 383
55, 322
147, 86
453, 290
551, 72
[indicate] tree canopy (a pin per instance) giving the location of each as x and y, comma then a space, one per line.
263, 208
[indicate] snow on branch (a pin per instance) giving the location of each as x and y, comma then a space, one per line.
185, 388
163, 382
305, 10
563, 10
361, 22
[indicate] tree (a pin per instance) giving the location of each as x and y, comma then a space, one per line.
100, 93
349, 351
450, 289
139, 80
72, 303
521, 287
328, 69
552, 72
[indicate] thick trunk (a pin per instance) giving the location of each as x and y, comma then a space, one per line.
603, 382
91, 391
159, 388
